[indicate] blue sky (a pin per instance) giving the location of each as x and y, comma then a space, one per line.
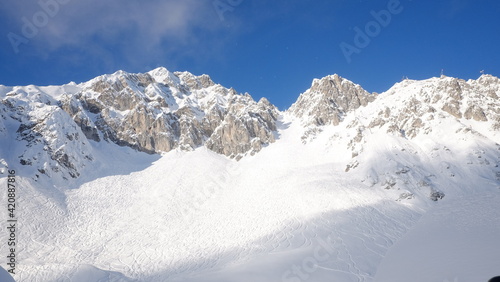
270, 49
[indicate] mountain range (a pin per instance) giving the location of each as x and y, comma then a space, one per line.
169, 176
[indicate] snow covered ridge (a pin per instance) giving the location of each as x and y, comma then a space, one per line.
416, 138
51, 129
152, 112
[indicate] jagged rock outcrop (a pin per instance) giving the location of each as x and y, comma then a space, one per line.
244, 129
328, 100
443, 108
152, 112
52, 144
159, 111
426, 101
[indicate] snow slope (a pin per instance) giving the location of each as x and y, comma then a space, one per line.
198, 216
191, 212
456, 241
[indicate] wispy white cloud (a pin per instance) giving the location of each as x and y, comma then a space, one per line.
131, 28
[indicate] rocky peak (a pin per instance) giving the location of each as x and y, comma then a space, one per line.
153, 112
160, 110
119, 81
195, 82
412, 107
489, 80
164, 76
329, 99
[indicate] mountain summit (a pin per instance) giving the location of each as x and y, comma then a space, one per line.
329, 99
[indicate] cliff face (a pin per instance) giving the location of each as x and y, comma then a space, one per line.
159, 111
329, 100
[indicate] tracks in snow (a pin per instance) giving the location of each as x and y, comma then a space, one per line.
164, 223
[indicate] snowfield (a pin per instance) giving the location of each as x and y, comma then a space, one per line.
289, 213
456, 241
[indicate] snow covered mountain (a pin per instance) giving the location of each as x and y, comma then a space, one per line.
421, 119
167, 176
153, 112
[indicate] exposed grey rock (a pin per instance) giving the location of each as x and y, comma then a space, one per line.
444, 97
159, 111
195, 82
54, 144
453, 108
405, 196
475, 112
73, 106
436, 195
329, 99
244, 129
